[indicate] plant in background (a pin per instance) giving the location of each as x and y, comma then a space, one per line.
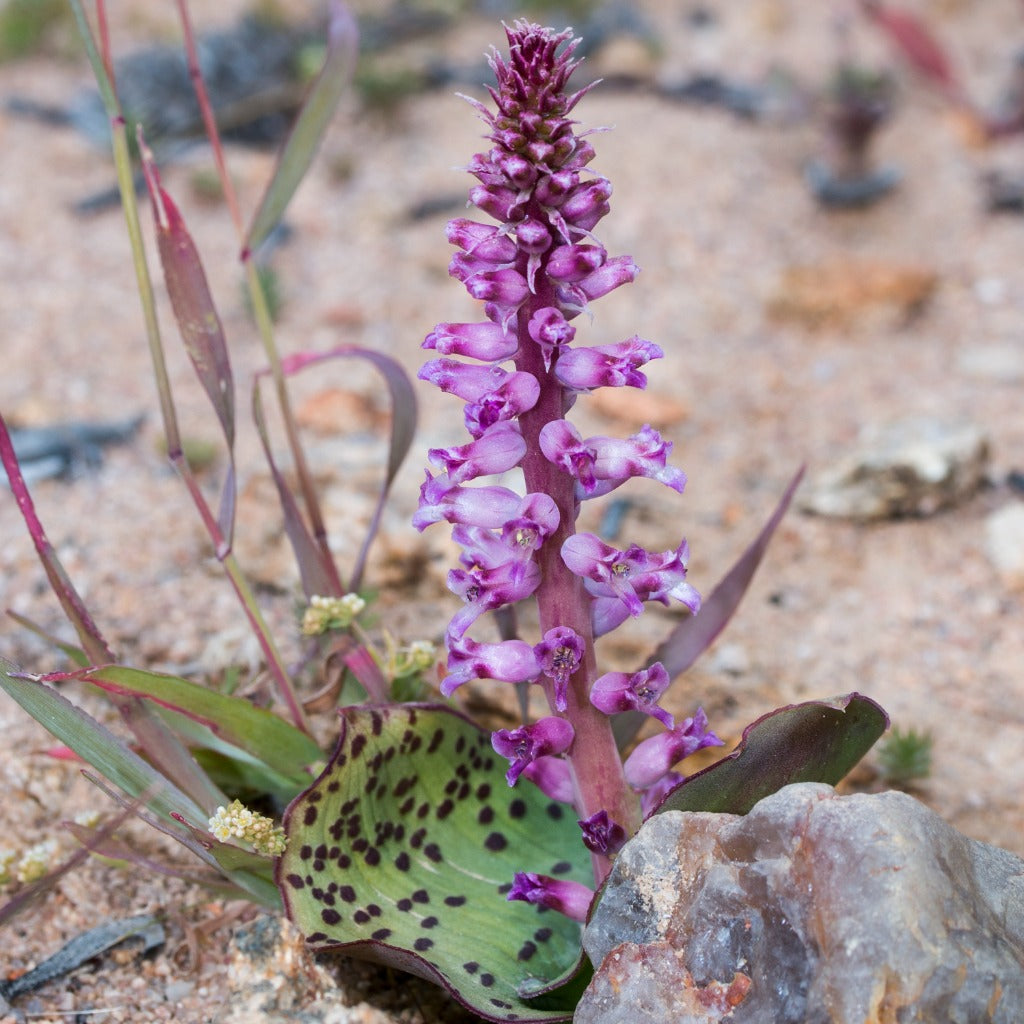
426, 842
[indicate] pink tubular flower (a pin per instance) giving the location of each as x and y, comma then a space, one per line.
552, 776
633, 575
562, 894
653, 758
522, 746
496, 450
517, 393
549, 328
483, 590
487, 341
615, 692
468, 382
653, 796
600, 366
511, 661
440, 499
560, 653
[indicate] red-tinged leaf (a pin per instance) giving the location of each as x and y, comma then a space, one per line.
362, 665
403, 425
197, 318
919, 46
818, 741
317, 109
317, 578
695, 634
62, 753
74, 608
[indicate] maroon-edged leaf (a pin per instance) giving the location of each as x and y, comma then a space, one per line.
695, 634
317, 109
197, 318
74, 608
817, 741
317, 578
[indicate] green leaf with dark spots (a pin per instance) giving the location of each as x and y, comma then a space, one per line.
404, 848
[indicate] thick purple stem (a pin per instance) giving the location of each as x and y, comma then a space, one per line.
598, 781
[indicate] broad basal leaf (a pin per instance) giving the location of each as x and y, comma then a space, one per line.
819, 741
403, 850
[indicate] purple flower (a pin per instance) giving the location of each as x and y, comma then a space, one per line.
524, 745
653, 757
653, 796
552, 776
562, 894
602, 835
516, 393
615, 692
560, 654
549, 328
468, 382
487, 341
584, 369
496, 450
484, 589
634, 575
611, 460
511, 661
440, 499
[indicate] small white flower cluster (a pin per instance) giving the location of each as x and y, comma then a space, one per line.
31, 865
326, 613
236, 821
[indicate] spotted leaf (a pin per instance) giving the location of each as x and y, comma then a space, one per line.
404, 848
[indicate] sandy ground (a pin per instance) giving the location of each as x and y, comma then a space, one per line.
714, 210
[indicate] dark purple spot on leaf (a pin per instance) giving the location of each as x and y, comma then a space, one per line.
444, 809
542, 934
315, 796
454, 901
306, 852
372, 856
402, 861
295, 881
373, 910
407, 806
495, 842
471, 967
500, 1003
460, 744
319, 865
360, 917
486, 815
360, 845
451, 786
433, 852
316, 937
429, 922
555, 811
526, 950
464, 791
404, 905
483, 791
358, 744
505, 887
423, 810
347, 893
487, 980
420, 945
330, 916
517, 809
416, 839
344, 861
349, 806
381, 934
417, 742
333, 786
376, 722
563, 867
435, 741
421, 896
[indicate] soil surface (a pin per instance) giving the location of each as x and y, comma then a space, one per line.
757, 379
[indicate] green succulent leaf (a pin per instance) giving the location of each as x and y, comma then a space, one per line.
404, 848
818, 741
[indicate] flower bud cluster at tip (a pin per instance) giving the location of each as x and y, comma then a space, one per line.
535, 271
236, 821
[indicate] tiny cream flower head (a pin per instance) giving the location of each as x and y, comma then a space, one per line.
326, 613
36, 861
7, 858
237, 822
87, 819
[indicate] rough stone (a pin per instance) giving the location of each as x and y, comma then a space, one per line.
814, 908
912, 467
1004, 537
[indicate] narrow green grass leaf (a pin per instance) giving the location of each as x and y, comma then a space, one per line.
307, 132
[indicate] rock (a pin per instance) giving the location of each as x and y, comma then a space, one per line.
912, 467
1004, 536
814, 908
1003, 364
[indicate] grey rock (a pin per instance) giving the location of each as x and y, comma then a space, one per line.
913, 467
1004, 542
814, 908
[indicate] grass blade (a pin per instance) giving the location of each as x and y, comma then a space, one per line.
317, 109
